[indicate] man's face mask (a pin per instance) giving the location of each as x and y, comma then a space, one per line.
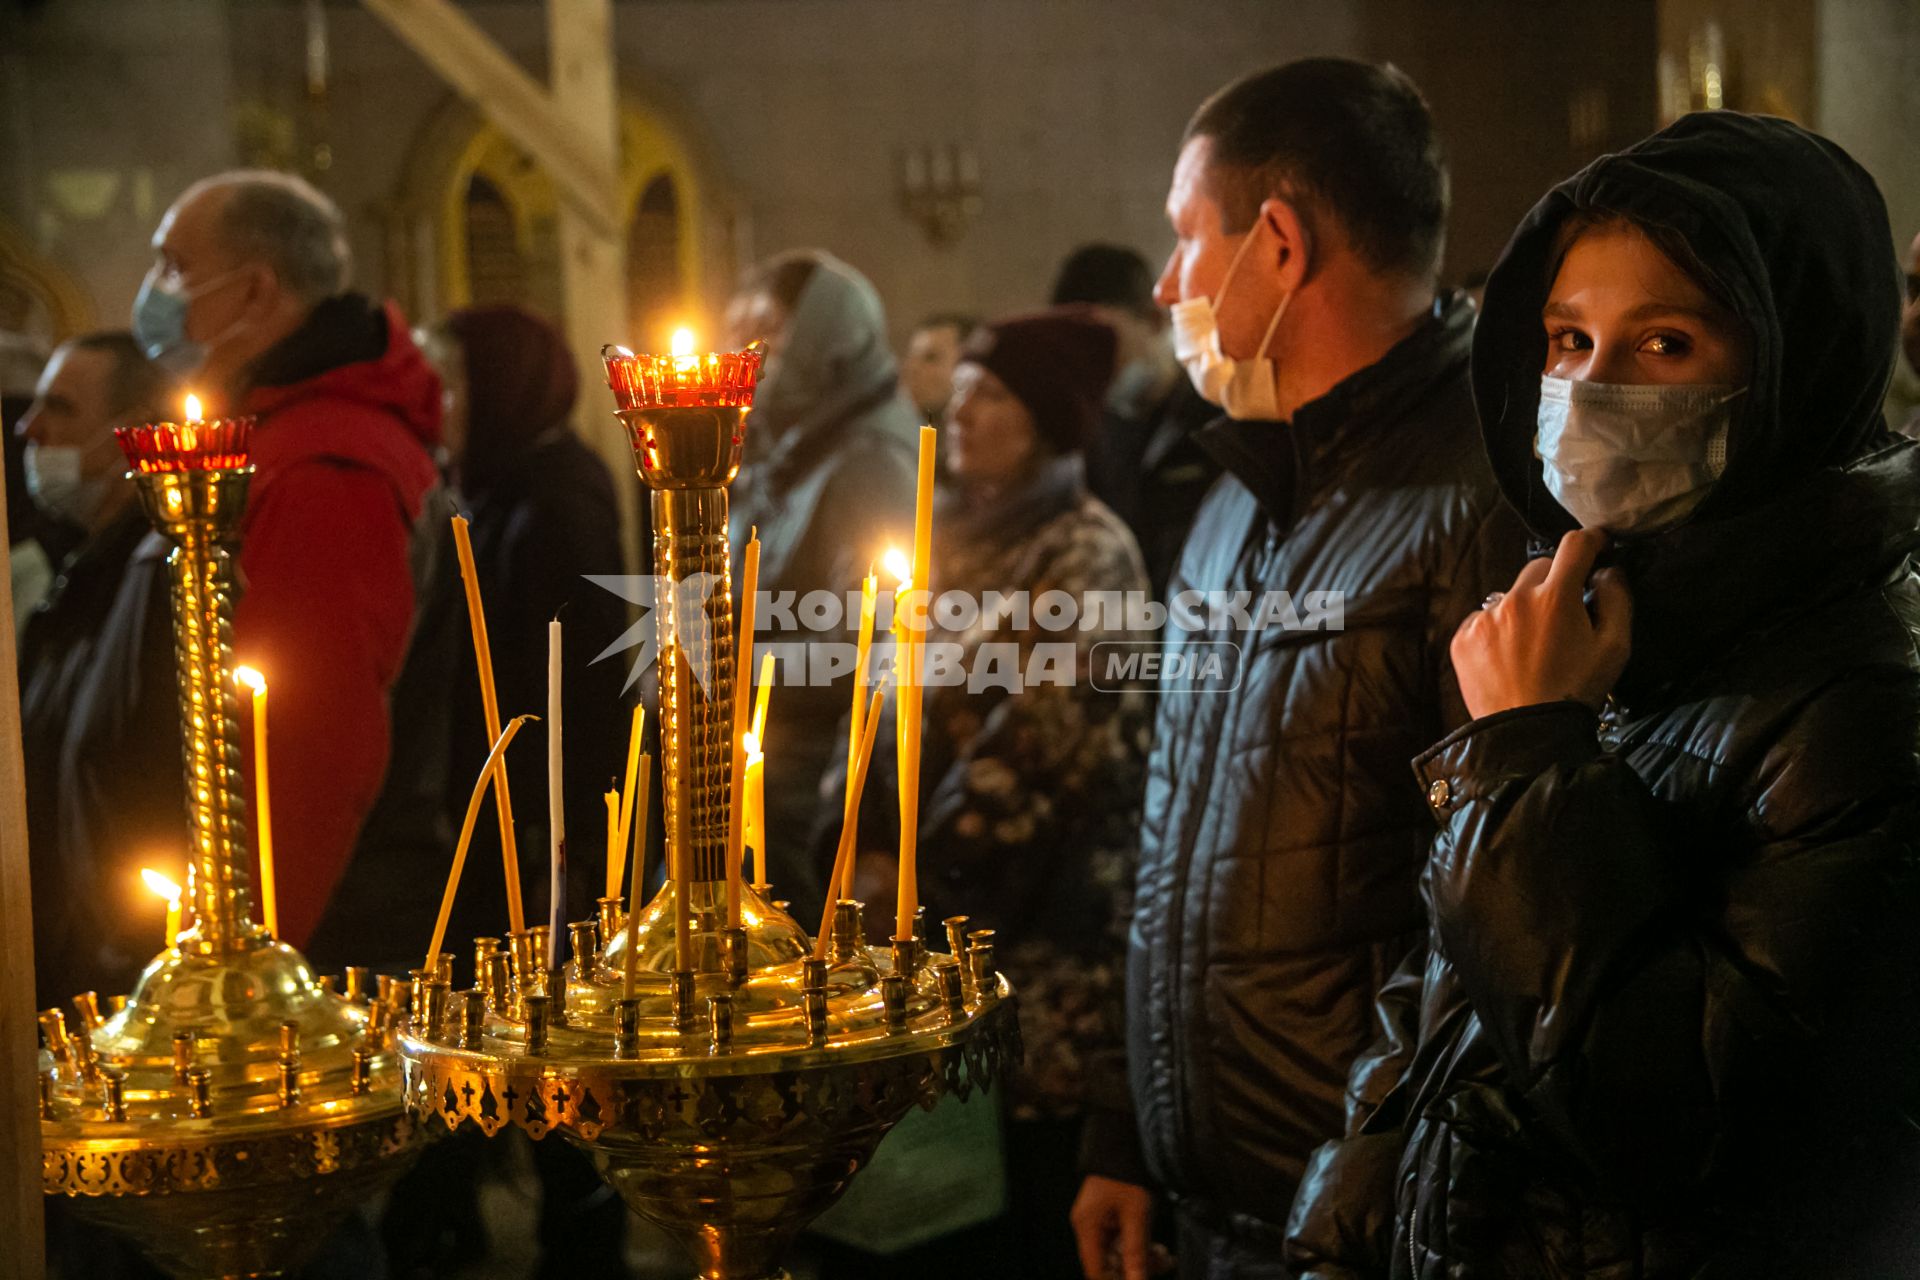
57, 482
1246, 389
160, 323
1632, 459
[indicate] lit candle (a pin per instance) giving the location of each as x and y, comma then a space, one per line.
756, 817
494, 757
490, 708
869, 602
736, 823
169, 891
761, 693
193, 415
556, 803
269, 900
911, 693
616, 847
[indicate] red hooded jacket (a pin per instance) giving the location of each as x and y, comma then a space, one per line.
341, 466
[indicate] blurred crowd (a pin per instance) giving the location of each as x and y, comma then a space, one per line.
1549, 914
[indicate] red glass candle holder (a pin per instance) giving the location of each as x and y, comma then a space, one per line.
716, 380
218, 444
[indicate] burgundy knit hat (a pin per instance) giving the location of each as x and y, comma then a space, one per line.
1058, 362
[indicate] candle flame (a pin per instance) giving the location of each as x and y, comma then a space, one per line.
250, 678
897, 564
159, 884
682, 342
751, 742
193, 408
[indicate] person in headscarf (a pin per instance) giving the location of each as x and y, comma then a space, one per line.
828, 481
1666, 1023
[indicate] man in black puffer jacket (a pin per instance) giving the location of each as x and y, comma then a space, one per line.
1667, 1022
1282, 838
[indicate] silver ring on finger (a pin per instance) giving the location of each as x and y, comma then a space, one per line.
1493, 598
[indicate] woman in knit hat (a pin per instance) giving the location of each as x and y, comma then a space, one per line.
1030, 800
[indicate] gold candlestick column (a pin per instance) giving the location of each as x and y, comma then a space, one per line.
687, 456
196, 510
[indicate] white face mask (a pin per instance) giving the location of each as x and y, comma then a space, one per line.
1247, 389
58, 484
1631, 459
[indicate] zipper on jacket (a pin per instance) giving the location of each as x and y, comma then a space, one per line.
1413, 1258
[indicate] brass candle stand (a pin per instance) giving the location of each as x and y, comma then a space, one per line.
731, 1091
229, 1112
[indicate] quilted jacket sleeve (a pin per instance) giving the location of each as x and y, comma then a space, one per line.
1657, 1000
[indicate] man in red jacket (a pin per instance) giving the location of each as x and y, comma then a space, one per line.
247, 302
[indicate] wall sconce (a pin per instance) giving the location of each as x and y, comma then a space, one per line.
940, 189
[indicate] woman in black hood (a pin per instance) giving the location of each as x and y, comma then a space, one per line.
1667, 1018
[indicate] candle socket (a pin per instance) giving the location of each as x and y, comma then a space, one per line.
437, 992
325, 980
557, 996
612, 915
199, 1093
920, 924
537, 1014
893, 995
956, 927
733, 951
813, 974
362, 1071
53, 1032
483, 948
680, 987
80, 1046
386, 988
473, 1020
379, 1023
980, 963
357, 979
953, 990
542, 946
495, 983
116, 1096
116, 1004
46, 1095
583, 939
720, 1018
182, 1055
520, 957
443, 967
417, 996
849, 928
290, 1040
626, 1028
87, 1005
905, 954
814, 1001
290, 1081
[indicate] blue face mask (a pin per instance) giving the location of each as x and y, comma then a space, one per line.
160, 324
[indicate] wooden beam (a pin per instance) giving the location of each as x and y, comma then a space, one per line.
20, 1207
495, 85
593, 266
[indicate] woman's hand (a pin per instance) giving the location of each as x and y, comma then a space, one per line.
1539, 643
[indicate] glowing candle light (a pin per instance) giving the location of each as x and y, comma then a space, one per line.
756, 807
168, 890
263, 824
736, 825
761, 693
194, 414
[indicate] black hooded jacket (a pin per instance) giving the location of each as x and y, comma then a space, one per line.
1666, 1021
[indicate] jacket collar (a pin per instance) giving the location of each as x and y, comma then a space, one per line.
1703, 589
1346, 416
